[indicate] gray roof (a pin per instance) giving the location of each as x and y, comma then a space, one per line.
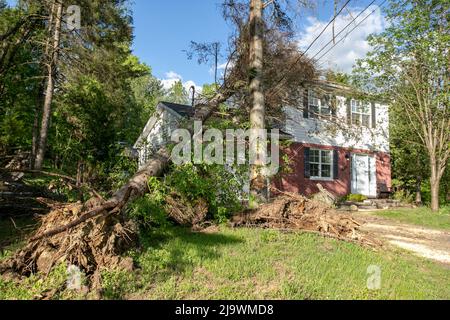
182, 109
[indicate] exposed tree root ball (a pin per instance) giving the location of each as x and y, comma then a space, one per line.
92, 245
295, 212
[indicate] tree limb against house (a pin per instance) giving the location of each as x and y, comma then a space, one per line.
129, 168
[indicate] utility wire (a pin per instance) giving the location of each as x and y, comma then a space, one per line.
326, 27
314, 41
324, 47
345, 28
328, 51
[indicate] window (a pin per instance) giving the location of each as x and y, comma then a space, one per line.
321, 163
361, 113
318, 106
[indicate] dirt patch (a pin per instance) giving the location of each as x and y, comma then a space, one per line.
295, 212
424, 242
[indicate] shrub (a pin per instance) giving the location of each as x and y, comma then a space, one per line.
220, 187
149, 209
356, 198
403, 196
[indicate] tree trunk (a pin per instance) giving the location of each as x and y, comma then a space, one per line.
34, 139
435, 182
216, 61
419, 190
137, 186
35, 133
51, 74
257, 113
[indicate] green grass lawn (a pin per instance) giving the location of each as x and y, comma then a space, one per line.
256, 264
420, 216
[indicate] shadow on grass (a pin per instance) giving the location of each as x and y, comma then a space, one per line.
181, 248
15, 230
163, 255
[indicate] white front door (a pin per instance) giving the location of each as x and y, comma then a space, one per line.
364, 175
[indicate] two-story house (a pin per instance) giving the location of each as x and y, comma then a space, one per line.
337, 140
334, 139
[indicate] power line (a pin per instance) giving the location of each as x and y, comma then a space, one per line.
345, 28
314, 41
324, 47
326, 27
362, 21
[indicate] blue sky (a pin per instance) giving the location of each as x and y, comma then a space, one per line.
164, 28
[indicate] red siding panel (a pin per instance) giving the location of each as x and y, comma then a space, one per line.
294, 180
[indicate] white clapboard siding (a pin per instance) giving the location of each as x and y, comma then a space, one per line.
337, 133
163, 124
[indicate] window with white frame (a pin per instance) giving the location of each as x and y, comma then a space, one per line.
361, 113
317, 106
321, 163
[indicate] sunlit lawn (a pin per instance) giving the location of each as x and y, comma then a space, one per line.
255, 264
420, 216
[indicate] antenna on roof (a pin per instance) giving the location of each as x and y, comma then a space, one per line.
193, 96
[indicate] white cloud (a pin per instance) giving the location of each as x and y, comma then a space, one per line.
172, 77
224, 65
221, 67
355, 46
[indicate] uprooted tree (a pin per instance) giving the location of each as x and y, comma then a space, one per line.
93, 235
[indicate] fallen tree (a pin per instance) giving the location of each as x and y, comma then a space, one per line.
95, 234
293, 212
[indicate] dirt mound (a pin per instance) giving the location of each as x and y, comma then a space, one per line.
294, 212
93, 245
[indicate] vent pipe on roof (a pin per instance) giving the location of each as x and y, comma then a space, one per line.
193, 96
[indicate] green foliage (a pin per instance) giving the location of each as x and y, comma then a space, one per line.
338, 77
122, 167
149, 209
19, 82
404, 196
443, 193
408, 66
104, 98
220, 188
178, 94
355, 198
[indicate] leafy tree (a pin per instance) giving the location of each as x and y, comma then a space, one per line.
206, 53
103, 95
147, 91
338, 77
178, 94
271, 66
409, 160
410, 65
19, 78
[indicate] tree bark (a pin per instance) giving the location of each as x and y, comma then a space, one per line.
51, 75
419, 190
216, 61
435, 182
257, 113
